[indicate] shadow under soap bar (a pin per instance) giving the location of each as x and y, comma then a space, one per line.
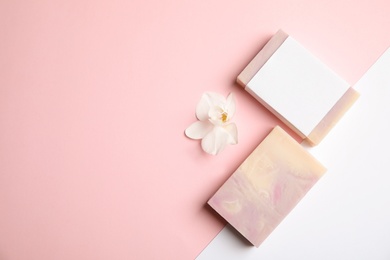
267, 186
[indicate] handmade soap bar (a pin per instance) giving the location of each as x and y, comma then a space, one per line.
267, 186
297, 87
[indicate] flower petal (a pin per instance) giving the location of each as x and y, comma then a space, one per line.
230, 105
232, 131
215, 115
198, 130
207, 102
203, 107
215, 141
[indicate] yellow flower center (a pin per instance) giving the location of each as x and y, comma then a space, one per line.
224, 116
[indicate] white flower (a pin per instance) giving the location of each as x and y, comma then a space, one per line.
214, 128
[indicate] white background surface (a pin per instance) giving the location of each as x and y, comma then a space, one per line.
346, 215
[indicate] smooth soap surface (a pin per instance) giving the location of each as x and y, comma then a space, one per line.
298, 86
261, 58
267, 186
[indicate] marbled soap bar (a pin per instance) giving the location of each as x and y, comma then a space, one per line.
297, 87
267, 186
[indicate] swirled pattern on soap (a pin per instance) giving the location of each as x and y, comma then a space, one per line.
267, 186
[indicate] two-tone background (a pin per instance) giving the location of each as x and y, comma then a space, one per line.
94, 100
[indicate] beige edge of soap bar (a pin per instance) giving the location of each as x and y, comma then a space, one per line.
267, 186
311, 110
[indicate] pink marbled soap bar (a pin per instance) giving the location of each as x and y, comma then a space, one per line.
267, 186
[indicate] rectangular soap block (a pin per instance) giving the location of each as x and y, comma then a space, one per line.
297, 87
267, 186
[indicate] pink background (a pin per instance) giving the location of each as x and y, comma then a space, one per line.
94, 100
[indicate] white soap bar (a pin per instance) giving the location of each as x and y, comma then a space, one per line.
294, 82
297, 87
